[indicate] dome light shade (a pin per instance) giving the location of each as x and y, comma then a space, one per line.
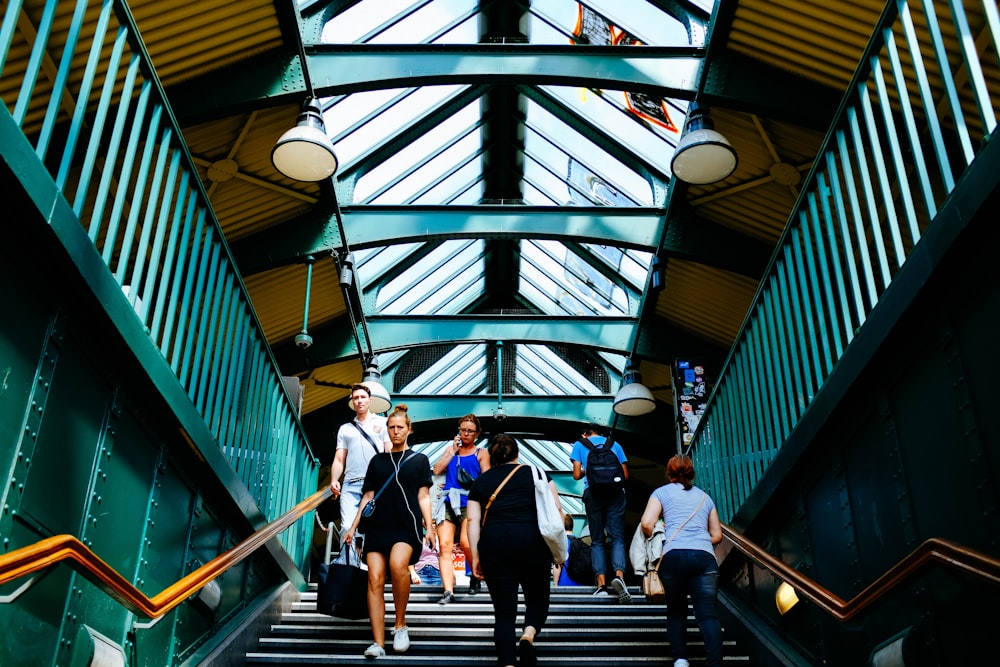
703, 155
380, 400
634, 398
305, 152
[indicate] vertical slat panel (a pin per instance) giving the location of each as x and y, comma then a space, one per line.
774, 345
903, 194
853, 280
798, 289
7, 29
153, 284
30, 80
83, 99
142, 179
59, 85
125, 174
832, 272
970, 56
97, 126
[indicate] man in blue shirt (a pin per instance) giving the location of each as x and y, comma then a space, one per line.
605, 514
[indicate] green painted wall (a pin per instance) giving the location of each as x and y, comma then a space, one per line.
86, 448
913, 452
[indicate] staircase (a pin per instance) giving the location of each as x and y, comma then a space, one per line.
581, 631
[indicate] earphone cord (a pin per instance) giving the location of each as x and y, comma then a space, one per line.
406, 502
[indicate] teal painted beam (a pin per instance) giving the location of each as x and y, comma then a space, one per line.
402, 333
663, 71
658, 341
689, 236
519, 411
316, 233
275, 78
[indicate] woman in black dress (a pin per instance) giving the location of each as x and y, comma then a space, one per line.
394, 532
509, 551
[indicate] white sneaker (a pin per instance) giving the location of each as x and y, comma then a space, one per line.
602, 591
624, 597
401, 639
681, 662
374, 651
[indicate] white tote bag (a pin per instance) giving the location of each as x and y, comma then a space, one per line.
550, 521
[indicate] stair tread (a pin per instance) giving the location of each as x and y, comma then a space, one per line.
581, 631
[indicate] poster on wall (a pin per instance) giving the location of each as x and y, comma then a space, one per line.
690, 393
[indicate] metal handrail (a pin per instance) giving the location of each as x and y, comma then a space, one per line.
933, 550
57, 548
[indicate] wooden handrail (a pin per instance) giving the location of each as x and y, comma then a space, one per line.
52, 550
938, 550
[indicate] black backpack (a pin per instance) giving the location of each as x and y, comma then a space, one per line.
578, 565
604, 471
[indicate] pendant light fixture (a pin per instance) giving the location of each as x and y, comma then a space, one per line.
305, 152
703, 155
634, 398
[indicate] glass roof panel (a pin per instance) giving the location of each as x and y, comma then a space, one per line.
540, 371
404, 22
558, 151
461, 370
418, 167
559, 282
372, 263
444, 282
651, 136
631, 265
556, 21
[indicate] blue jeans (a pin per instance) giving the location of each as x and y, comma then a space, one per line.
350, 499
606, 515
696, 573
429, 575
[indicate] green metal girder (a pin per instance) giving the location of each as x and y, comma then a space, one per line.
400, 333
689, 236
335, 343
572, 410
658, 341
653, 173
663, 71
276, 78
316, 234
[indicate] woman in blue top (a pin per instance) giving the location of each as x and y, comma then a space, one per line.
691, 528
461, 463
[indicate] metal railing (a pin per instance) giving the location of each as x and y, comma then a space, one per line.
53, 550
914, 118
76, 80
933, 551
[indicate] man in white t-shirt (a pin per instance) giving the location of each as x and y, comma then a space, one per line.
357, 442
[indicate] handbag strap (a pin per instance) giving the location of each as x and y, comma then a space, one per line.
367, 435
495, 492
690, 516
402, 462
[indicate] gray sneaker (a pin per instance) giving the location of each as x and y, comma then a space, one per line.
622, 590
401, 639
374, 651
447, 598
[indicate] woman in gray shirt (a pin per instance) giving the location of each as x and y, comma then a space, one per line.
692, 529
